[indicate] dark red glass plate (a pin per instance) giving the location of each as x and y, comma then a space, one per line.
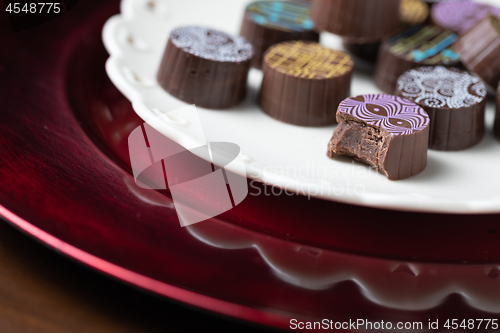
66, 180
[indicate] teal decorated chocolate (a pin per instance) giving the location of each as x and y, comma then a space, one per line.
416, 46
428, 45
292, 16
271, 22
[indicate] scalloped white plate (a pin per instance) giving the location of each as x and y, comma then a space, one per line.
292, 158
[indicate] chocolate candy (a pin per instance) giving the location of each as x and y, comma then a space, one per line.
480, 50
362, 21
461, 15
386, 132
453, 99
412, 12
414, 47
266, 23
205, 67
497, 118
304, 82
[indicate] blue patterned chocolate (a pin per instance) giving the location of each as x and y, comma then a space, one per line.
428, 45
283, 15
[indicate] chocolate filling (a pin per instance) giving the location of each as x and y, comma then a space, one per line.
363, 142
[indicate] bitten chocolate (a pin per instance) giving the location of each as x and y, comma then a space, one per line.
386, 132
414, 47
266, 23
461, 15
304, 83
480, 50
205, 67
454, 100
362, 21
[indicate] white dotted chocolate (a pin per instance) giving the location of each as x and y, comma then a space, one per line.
441, 87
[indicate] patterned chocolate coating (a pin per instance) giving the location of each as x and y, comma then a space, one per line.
212, 44
441, 87
428, 45
397, 115
308, 60
288, 16
461, 15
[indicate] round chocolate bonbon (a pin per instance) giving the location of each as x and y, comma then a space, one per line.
386, 132
266, 23
414, 47
304, 82
362, 21
480, 50
454, 100
412, 12
205, 67
461, 15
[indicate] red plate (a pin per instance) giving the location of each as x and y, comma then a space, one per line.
66, 180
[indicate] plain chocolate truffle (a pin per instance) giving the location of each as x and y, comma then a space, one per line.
480, 50
362, 21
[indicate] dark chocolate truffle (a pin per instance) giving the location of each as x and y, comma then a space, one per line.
304, 82
414, 47
205, 67
386, 132
266, 23
412, 12
480, 50
454, 100
362, 21
461, 15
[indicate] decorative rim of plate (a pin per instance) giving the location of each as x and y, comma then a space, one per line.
315, 269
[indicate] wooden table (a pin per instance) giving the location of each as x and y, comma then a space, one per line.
42, 291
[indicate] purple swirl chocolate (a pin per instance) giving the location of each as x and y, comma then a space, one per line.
386, 132
205, 67
461, 15
454, 100
480, 50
